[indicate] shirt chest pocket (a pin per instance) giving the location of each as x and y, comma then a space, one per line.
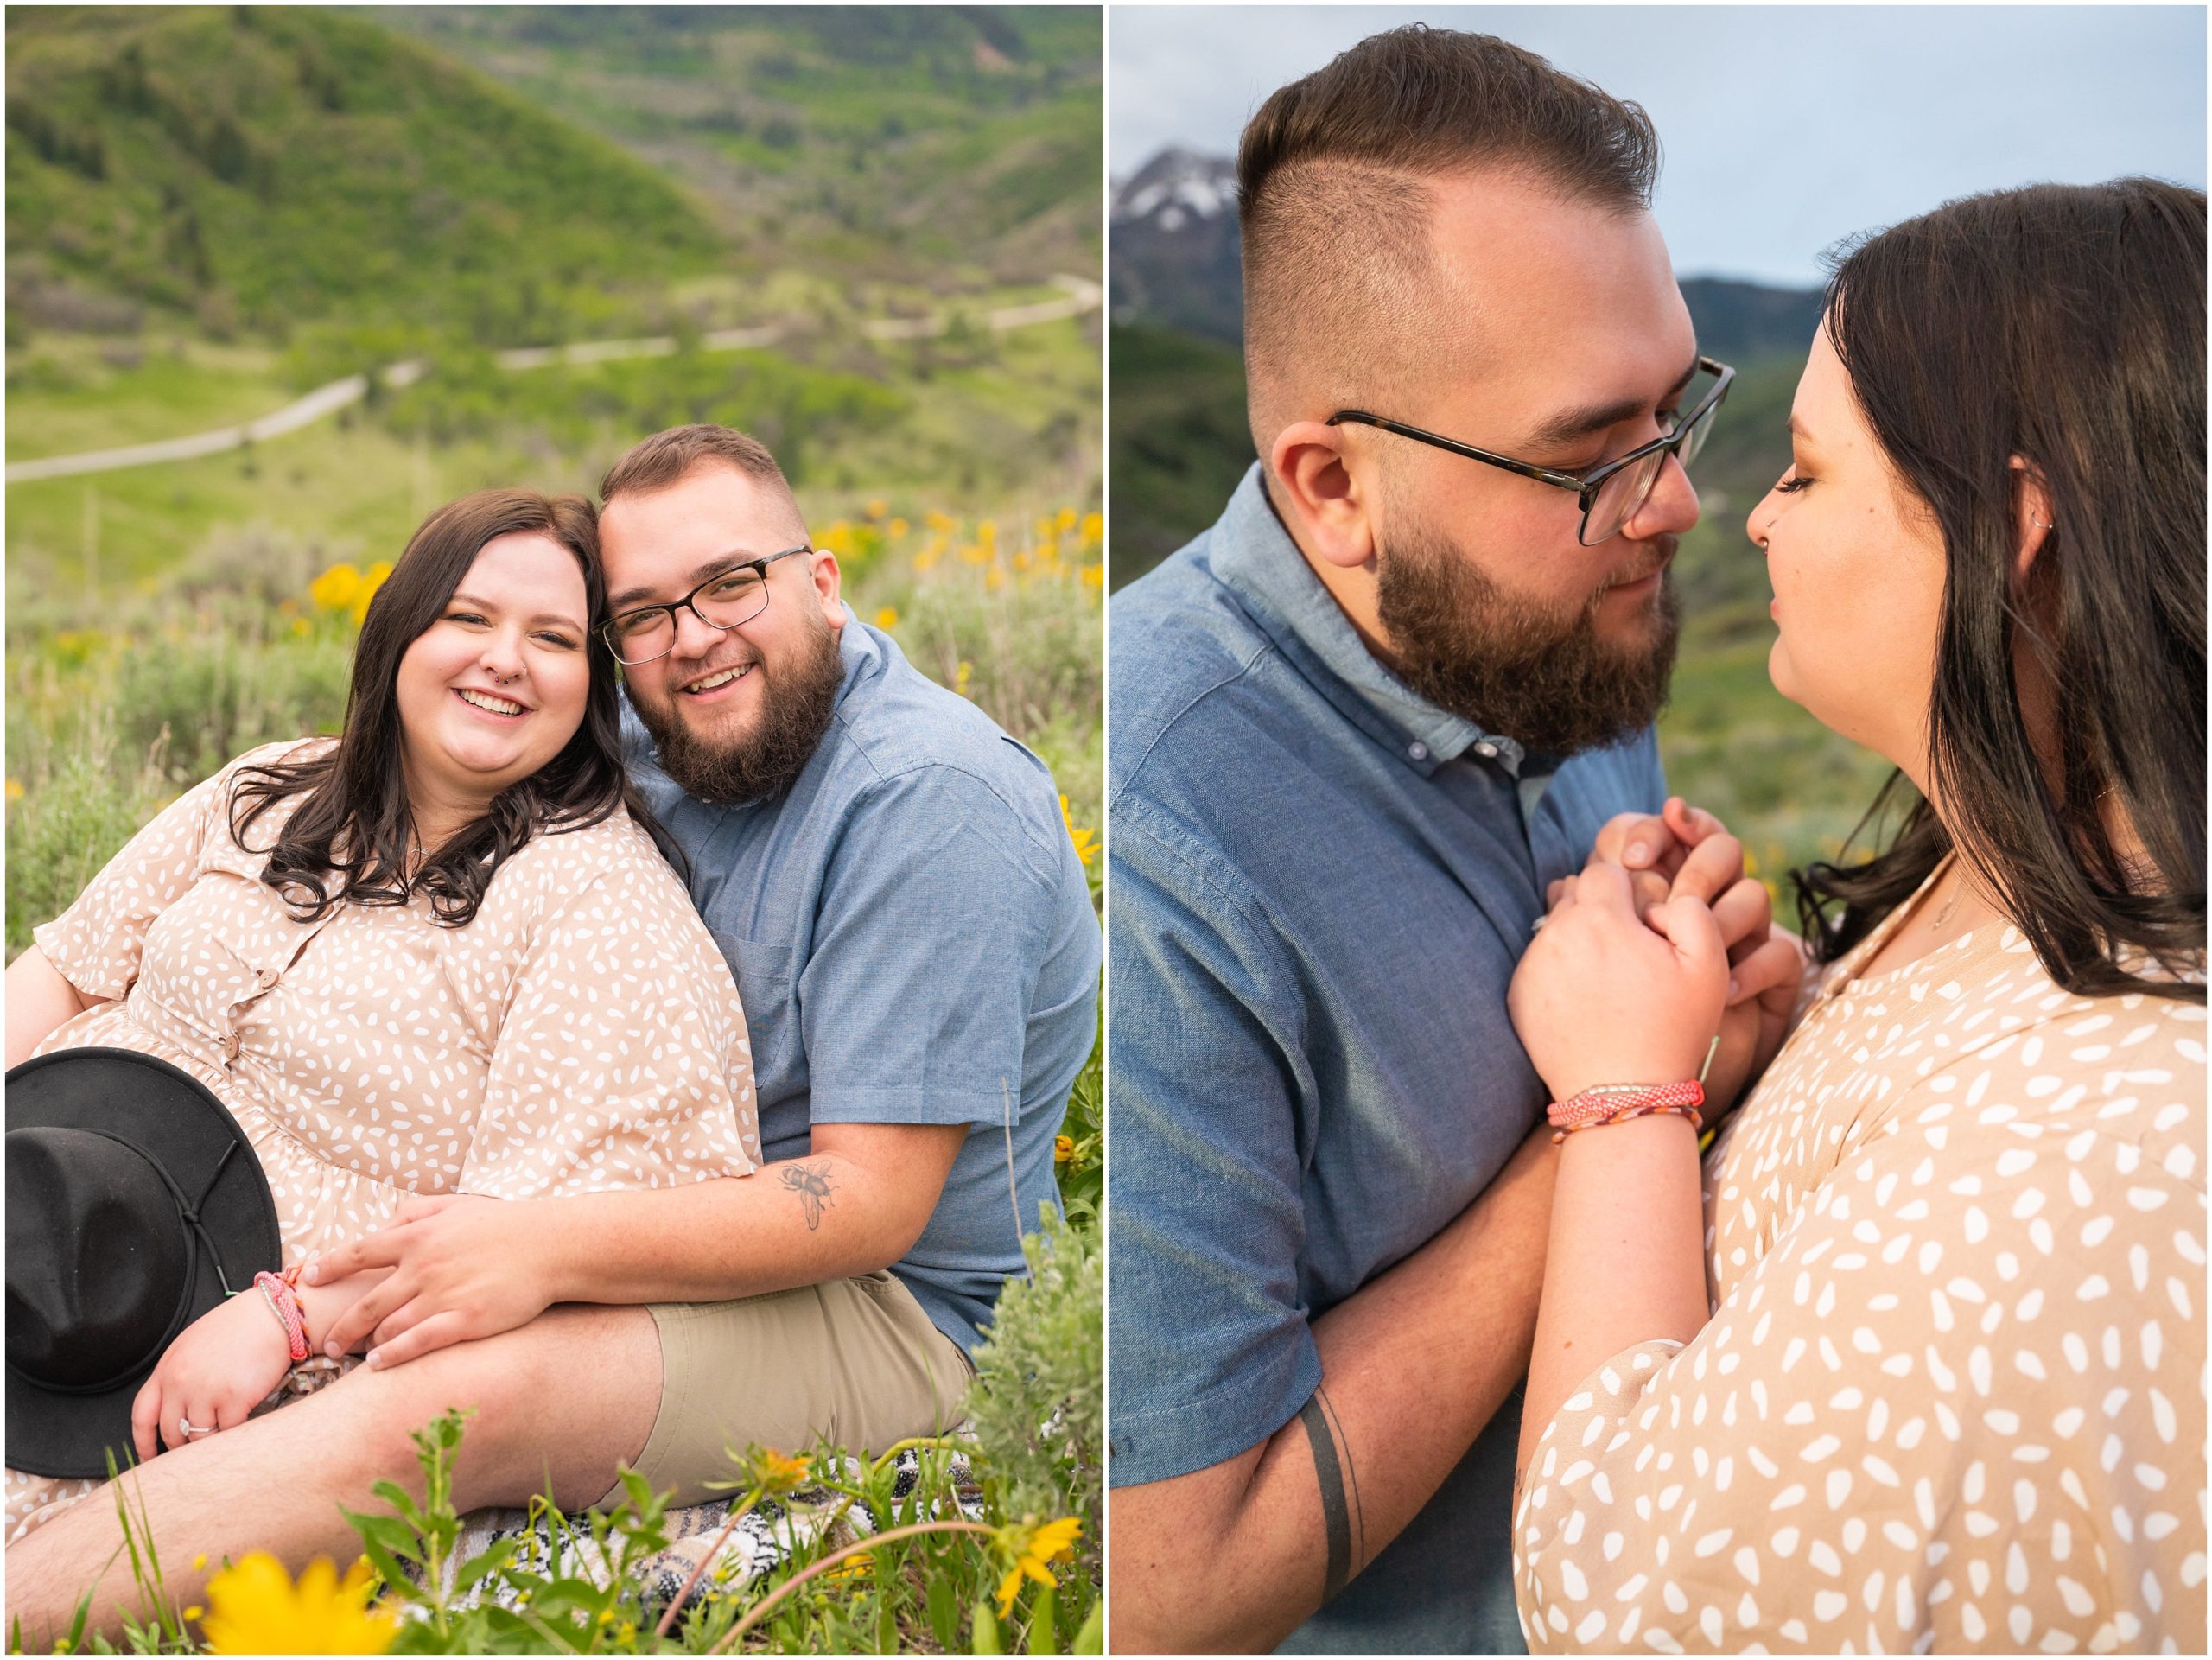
768, 987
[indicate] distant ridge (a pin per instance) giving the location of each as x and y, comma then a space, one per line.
259, 167
1175, 265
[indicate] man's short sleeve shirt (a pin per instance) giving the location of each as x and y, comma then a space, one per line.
1319, 885
913, 942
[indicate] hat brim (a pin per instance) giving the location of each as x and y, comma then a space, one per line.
179, 1121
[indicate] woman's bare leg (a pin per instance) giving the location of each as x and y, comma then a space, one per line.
568, 1396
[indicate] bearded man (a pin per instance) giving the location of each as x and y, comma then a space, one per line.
1358, 728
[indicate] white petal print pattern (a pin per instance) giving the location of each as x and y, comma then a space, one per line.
1953, 1392
581, 1034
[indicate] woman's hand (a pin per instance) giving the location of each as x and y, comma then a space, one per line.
1600, 997
220, 1368
461, 1268
1686, 850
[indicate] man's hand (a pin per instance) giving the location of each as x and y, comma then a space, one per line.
462, 1268
220, 1368
1684, 851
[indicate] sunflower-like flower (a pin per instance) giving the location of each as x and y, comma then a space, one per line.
336, 588
254, 1608
774, 1473
1029, 1547
1086, 841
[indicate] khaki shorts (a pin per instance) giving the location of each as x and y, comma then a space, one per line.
853, 1362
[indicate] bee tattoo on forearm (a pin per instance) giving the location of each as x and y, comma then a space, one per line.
812, 1187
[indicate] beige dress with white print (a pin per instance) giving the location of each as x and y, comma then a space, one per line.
1952, 1394
581, 1034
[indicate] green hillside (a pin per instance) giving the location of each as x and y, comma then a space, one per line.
256, 168
949, 145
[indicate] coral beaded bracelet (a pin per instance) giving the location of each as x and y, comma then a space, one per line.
284, 1302
1614, 1104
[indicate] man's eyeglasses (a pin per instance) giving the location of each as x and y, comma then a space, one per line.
1611, 494
723, 601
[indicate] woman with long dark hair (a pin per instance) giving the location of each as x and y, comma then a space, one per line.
440, 953
1916, 1357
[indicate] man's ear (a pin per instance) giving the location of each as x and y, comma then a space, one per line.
2032, 515
827, 580
1326, 500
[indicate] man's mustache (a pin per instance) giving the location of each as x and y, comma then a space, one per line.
1663, 548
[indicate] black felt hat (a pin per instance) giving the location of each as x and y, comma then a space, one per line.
134, 1206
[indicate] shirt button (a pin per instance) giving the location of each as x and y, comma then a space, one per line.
1487, 751
229, 1046
1419, 752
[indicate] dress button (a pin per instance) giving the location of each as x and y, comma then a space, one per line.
1419, 752
229, 1046
265, 977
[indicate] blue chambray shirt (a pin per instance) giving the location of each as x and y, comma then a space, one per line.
913, 941
1319, 885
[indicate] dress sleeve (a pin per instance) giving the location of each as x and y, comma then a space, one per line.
620, 1057
1958, 1401
1212, 1352
96, 943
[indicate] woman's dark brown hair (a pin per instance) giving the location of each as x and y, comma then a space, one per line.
2063, 325
349, 841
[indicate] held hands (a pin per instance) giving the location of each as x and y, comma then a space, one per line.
1603, 995
462, 1268
1684, 851
220, 1368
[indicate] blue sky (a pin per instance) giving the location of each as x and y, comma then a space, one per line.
1785, 127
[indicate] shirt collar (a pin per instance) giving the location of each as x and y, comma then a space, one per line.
1251, 551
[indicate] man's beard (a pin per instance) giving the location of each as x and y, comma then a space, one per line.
793, 716
1541, 678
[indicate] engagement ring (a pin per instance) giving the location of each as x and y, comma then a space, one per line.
188, 1429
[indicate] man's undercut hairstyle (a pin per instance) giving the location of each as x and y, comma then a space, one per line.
667, 457
1334, 198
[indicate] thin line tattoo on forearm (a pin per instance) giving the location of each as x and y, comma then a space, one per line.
1342, 1524
812, 1187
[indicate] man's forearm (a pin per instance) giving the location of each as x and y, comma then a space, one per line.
1414, 1365
842, 1210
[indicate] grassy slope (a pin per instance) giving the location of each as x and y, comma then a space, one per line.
284, 165
946, 145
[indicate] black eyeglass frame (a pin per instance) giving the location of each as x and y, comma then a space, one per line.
608, 631
1585, 486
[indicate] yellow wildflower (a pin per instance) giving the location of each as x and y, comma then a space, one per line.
334, 589
960, 677
195, 1611
1031, 1548
886, 619
878, 508
938, 521
977, 553
300, 625
926, 560
994, 579
1094, 527
986, 532
854, 1567
897, 528
1086, 842
773, 1473
256, 1609
1062, 1149
837, 539
1064, 521
1094, 577
372, 580
15, 789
